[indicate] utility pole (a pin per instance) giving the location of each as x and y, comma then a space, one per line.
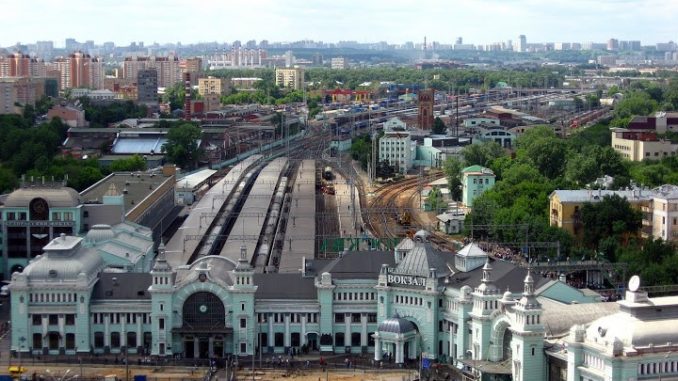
456, 119
287, 127
420, 186
256, 325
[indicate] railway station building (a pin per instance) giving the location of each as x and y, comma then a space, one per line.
485, 316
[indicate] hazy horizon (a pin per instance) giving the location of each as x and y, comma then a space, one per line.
395, 21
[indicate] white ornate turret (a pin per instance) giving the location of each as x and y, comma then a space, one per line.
529, 300
487, 287
162, 271
243, 272
528, 335
161, 264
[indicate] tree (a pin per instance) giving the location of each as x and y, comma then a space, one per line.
549, 156
612, 216
29, 113
8, 180
656, 261
361, 150
452, 168
635, 103
435, 200
544, 149
174, 95
578, 103
182, 147
482, 154
581, 170
134, 163
592, 101
439, 126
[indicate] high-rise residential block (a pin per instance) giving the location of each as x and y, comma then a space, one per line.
80, 70
7, 97
147, 86
169, 72
339, 63
212, 85
292, 78
522, 43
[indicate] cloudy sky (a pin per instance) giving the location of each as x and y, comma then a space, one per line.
395, 21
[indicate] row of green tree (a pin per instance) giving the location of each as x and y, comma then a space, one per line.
34, 151
516, 209
643, 98
457, 79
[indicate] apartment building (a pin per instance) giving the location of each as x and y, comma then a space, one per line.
147, 86
339, 63
396, 148
237, 57
213, 85
15, 92
168, 68
663, 210
659, 207
291, 78
7, 98
476, 179
638, 145
80, 70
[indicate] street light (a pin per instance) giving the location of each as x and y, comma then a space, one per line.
126, 363
21, 346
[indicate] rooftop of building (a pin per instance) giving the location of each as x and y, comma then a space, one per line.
640, 324
359, 264
64, 260
195, 179
505, 275
632, 195
422, 258
134, 187
559, 317
122, 286
56, 194
477, 170
126, 240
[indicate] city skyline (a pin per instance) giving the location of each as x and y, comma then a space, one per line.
396, 22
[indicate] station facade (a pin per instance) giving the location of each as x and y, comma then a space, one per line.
396, 306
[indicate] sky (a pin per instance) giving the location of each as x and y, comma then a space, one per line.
394, 21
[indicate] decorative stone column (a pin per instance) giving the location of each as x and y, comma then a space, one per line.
271, 337
287, 332
303, 329
377, 347
347, 330
414, 349
399, 351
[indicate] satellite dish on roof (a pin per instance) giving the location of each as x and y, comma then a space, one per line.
634, 283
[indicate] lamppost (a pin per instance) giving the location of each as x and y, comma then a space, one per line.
254, 342
21, 346
126, 363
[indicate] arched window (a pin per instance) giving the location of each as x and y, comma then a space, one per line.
204, 310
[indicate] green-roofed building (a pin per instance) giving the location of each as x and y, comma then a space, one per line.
476, 179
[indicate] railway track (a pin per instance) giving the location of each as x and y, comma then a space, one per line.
381, 214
